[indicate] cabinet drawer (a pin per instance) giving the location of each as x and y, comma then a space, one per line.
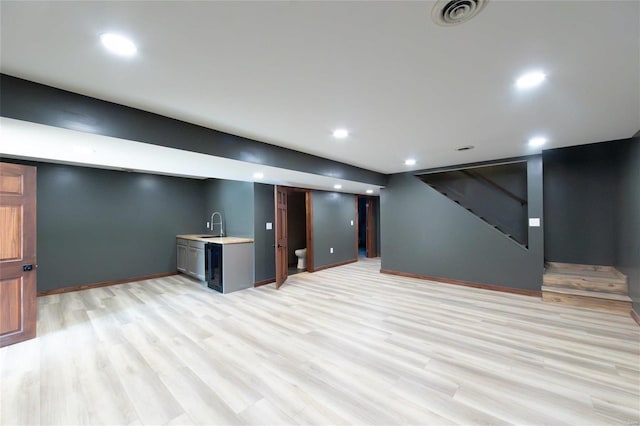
182, 242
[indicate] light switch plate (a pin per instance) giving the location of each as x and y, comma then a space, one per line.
269, 226
534, 222
352, 223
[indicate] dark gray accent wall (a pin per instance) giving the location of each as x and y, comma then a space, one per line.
99, 225
264, 239
332, 216
535, 208
592, 205
296, 224
29, 101
423, 232
581, 203
234, 200
628, 223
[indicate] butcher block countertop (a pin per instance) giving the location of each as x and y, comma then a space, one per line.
217, 240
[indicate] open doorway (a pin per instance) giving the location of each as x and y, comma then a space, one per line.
297, 232
367, 235
294, 232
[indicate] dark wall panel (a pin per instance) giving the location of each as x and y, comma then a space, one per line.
581, 203
234, 200
628, 223
264, 212
100, 225
29, 101
333, 215
423, 232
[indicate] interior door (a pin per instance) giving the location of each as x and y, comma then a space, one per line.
281, 235
370, 228
17, 253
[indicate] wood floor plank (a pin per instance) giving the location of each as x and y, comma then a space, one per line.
345, 345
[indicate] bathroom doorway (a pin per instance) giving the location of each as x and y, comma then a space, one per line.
294, 225
297, 231
367, 233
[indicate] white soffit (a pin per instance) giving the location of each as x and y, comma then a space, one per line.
26, 140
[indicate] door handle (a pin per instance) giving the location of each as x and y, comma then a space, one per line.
280, 246
27, 268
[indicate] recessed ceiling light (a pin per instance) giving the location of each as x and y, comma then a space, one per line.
340, 133
120, 45
258, 175
537, 141
337, 186
410, 162
530, 79
369, 191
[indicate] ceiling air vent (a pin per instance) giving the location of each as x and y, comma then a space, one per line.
454, 12
465, 148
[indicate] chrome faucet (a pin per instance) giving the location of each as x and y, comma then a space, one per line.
213, 215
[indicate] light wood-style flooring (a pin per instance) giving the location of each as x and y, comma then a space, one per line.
346, 345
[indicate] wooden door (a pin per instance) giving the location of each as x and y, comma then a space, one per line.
370, 228
281, 235
17, 253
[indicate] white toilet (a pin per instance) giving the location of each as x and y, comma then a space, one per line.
302, 258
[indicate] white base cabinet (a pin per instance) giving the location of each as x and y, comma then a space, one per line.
190, 258
182, 249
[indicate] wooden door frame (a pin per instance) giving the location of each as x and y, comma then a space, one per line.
308, 203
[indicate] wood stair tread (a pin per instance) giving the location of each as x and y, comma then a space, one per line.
596, 278
585, 275
584, 270
585, 293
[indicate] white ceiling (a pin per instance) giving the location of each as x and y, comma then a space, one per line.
288, 73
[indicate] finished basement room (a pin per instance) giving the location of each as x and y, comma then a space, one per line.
320, 213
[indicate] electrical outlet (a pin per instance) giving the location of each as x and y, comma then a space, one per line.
269, 226
331, 250
352, 223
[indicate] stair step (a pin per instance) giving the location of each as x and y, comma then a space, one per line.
587, 293
604, 279
606, 302
581, 267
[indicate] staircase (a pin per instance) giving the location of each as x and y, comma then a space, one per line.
602, 288
496, 194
